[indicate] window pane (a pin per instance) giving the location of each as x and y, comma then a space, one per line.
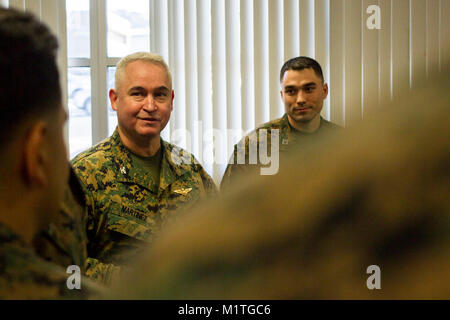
112, 116
78, 45
128, 27
79, 92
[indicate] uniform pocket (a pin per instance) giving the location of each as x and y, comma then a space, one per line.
130, 227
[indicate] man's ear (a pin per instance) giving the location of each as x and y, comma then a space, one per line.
325, 90
113, 99
35, 155
171, 102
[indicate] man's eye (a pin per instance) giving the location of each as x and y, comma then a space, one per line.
290, 91
160, 96
309, 89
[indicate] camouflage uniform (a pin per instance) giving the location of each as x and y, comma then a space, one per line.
288, 137
124, 208
64, 241
24, 275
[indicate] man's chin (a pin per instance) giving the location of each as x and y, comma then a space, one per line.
149, 133
147, 130
303, 118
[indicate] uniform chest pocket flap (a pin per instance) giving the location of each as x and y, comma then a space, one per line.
130, 227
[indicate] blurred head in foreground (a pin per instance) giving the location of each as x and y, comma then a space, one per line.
34, 166
34, 171
379, 197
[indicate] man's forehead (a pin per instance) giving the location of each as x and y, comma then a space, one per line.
142, 74
300, 77
140, 68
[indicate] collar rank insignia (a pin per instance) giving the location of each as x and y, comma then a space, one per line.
123, 170
183, 191
285, 141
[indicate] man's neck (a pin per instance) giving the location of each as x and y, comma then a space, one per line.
306, 127
145, 147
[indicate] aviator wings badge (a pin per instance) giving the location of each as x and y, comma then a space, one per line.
183, 191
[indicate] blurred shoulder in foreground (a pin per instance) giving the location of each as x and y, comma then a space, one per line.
27, 276
377, 197
64, 242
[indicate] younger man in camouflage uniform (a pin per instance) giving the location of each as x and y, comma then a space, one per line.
303, 91
134, 180
34, 166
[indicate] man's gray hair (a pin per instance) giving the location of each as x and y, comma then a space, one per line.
148, 57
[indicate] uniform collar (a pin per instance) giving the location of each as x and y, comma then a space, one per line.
128, 171
287, 132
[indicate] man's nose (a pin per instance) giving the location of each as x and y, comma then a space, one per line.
150, 104
300, 97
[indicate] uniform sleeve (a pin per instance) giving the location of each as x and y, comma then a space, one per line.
104, 273
232, 172
238, 165
208, 183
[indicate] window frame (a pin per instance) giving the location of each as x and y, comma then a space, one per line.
99, 62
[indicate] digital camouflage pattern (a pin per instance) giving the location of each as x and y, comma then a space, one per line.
64, 242
105, 273
243, 164
124, 208
24, 275
375, 194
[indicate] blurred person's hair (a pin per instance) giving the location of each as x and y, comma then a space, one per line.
300, 63
28, 89
147, 57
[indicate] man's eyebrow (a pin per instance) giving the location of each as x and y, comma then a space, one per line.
163, 88
309, 84
137, 88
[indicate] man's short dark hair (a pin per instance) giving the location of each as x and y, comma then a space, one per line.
29, 78
300, 63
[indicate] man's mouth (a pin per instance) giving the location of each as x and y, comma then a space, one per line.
302, 109
150, 119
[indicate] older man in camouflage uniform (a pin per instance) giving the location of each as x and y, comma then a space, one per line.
303, 91
134, 181
34, 167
